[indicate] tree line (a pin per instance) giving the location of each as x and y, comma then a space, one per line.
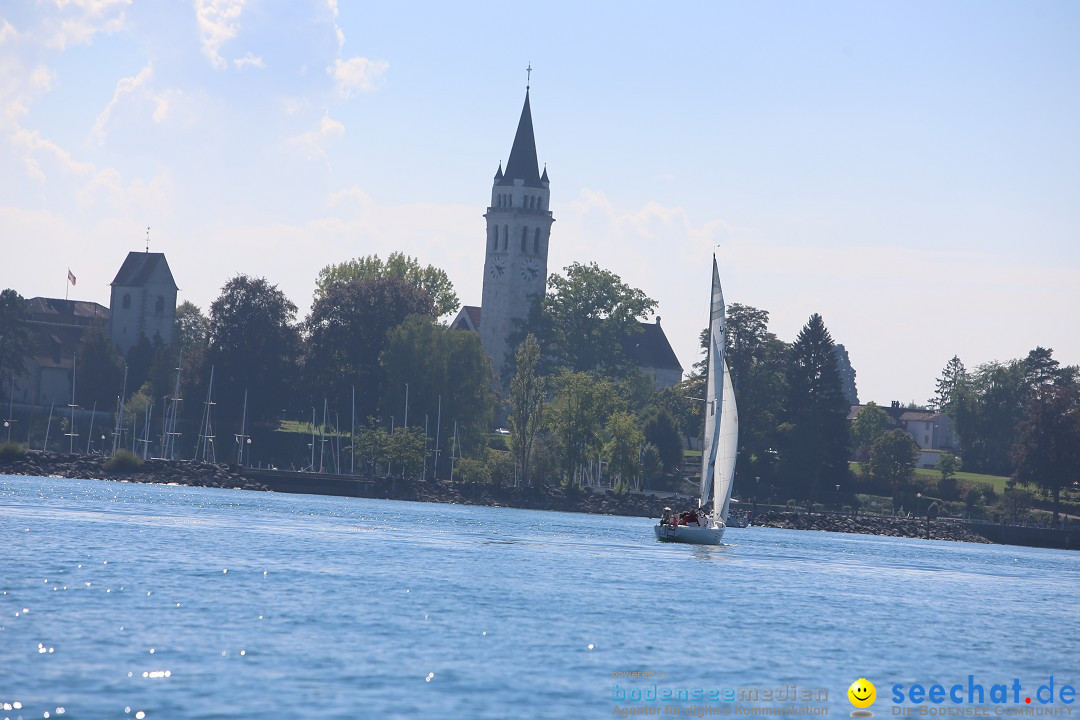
576, 407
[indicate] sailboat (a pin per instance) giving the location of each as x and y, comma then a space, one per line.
706, 524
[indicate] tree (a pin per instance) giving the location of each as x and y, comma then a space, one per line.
623, 445
252, 345
815, 446
139, 358
435, 282
99, 370
528, 390
580, 409
1047, 451
15, 342
407, 449
662, 432
893, 458
847, 375
757, 361
585, 317
988, 406
1015, 503
871, 423
948, 465
952, 376
448, 376
347, 331
192, 328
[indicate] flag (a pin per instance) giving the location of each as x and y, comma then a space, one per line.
71, 277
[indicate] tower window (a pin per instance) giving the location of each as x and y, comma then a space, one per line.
127, 301
159, 306
494, 238
524, 238
506, 236
536, 242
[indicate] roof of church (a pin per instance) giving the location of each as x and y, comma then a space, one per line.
522, 164
650, 348
139, 266
65, 312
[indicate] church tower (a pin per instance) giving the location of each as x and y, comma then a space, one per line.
515, 261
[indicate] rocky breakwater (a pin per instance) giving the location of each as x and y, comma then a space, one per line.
177, 472
869, 525
530, 498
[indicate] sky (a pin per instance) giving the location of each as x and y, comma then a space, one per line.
910, 171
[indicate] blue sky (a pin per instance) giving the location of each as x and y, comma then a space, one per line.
911, 171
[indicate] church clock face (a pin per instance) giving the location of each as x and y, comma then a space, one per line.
496, 270
530, 269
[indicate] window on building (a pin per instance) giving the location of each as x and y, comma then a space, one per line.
159, 306
127, 301
524, 238
506, 235
536, 241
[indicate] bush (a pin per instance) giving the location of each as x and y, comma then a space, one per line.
10, 451
123, 461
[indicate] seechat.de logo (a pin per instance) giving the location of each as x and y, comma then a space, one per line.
862, 695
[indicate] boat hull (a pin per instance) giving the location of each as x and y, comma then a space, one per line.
690, 535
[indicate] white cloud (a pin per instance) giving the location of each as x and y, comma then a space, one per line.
249, 60
7, 31
80, 20
314, 142
356, 74
218, 24
125, 86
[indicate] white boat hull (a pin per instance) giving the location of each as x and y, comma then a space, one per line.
689, 534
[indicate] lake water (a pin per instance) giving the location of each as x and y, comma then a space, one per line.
175, 602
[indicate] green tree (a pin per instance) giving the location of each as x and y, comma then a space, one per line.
15, 341
528, 390
253, 344
139, 358
952, 377
99, 370
847, 375
757, 361
407, 448
871, 423
1015, 503
584, 319
1047, 451
623, 446
814, 449
346, 333
988, 406
662, 432
580, 409
437, 362
948, 465
893, 458
435, 282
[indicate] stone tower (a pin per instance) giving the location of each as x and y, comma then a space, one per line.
143, 301
518, 228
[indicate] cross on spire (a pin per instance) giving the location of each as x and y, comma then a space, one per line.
528, 76
147, 238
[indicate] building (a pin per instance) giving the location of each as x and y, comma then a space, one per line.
518, 230
143, 301
933, 432
516, 250
56, 328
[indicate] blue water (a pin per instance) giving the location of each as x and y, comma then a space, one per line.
175, 602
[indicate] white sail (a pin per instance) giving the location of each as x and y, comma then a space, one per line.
715, 380
728, 451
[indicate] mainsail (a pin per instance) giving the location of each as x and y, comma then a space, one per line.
715, 381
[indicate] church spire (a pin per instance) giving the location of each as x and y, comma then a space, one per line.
522, 164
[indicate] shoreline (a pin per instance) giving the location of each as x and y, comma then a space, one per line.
198, 474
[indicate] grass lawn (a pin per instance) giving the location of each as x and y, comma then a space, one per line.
997, 481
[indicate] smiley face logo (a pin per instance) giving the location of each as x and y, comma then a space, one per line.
862, 694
